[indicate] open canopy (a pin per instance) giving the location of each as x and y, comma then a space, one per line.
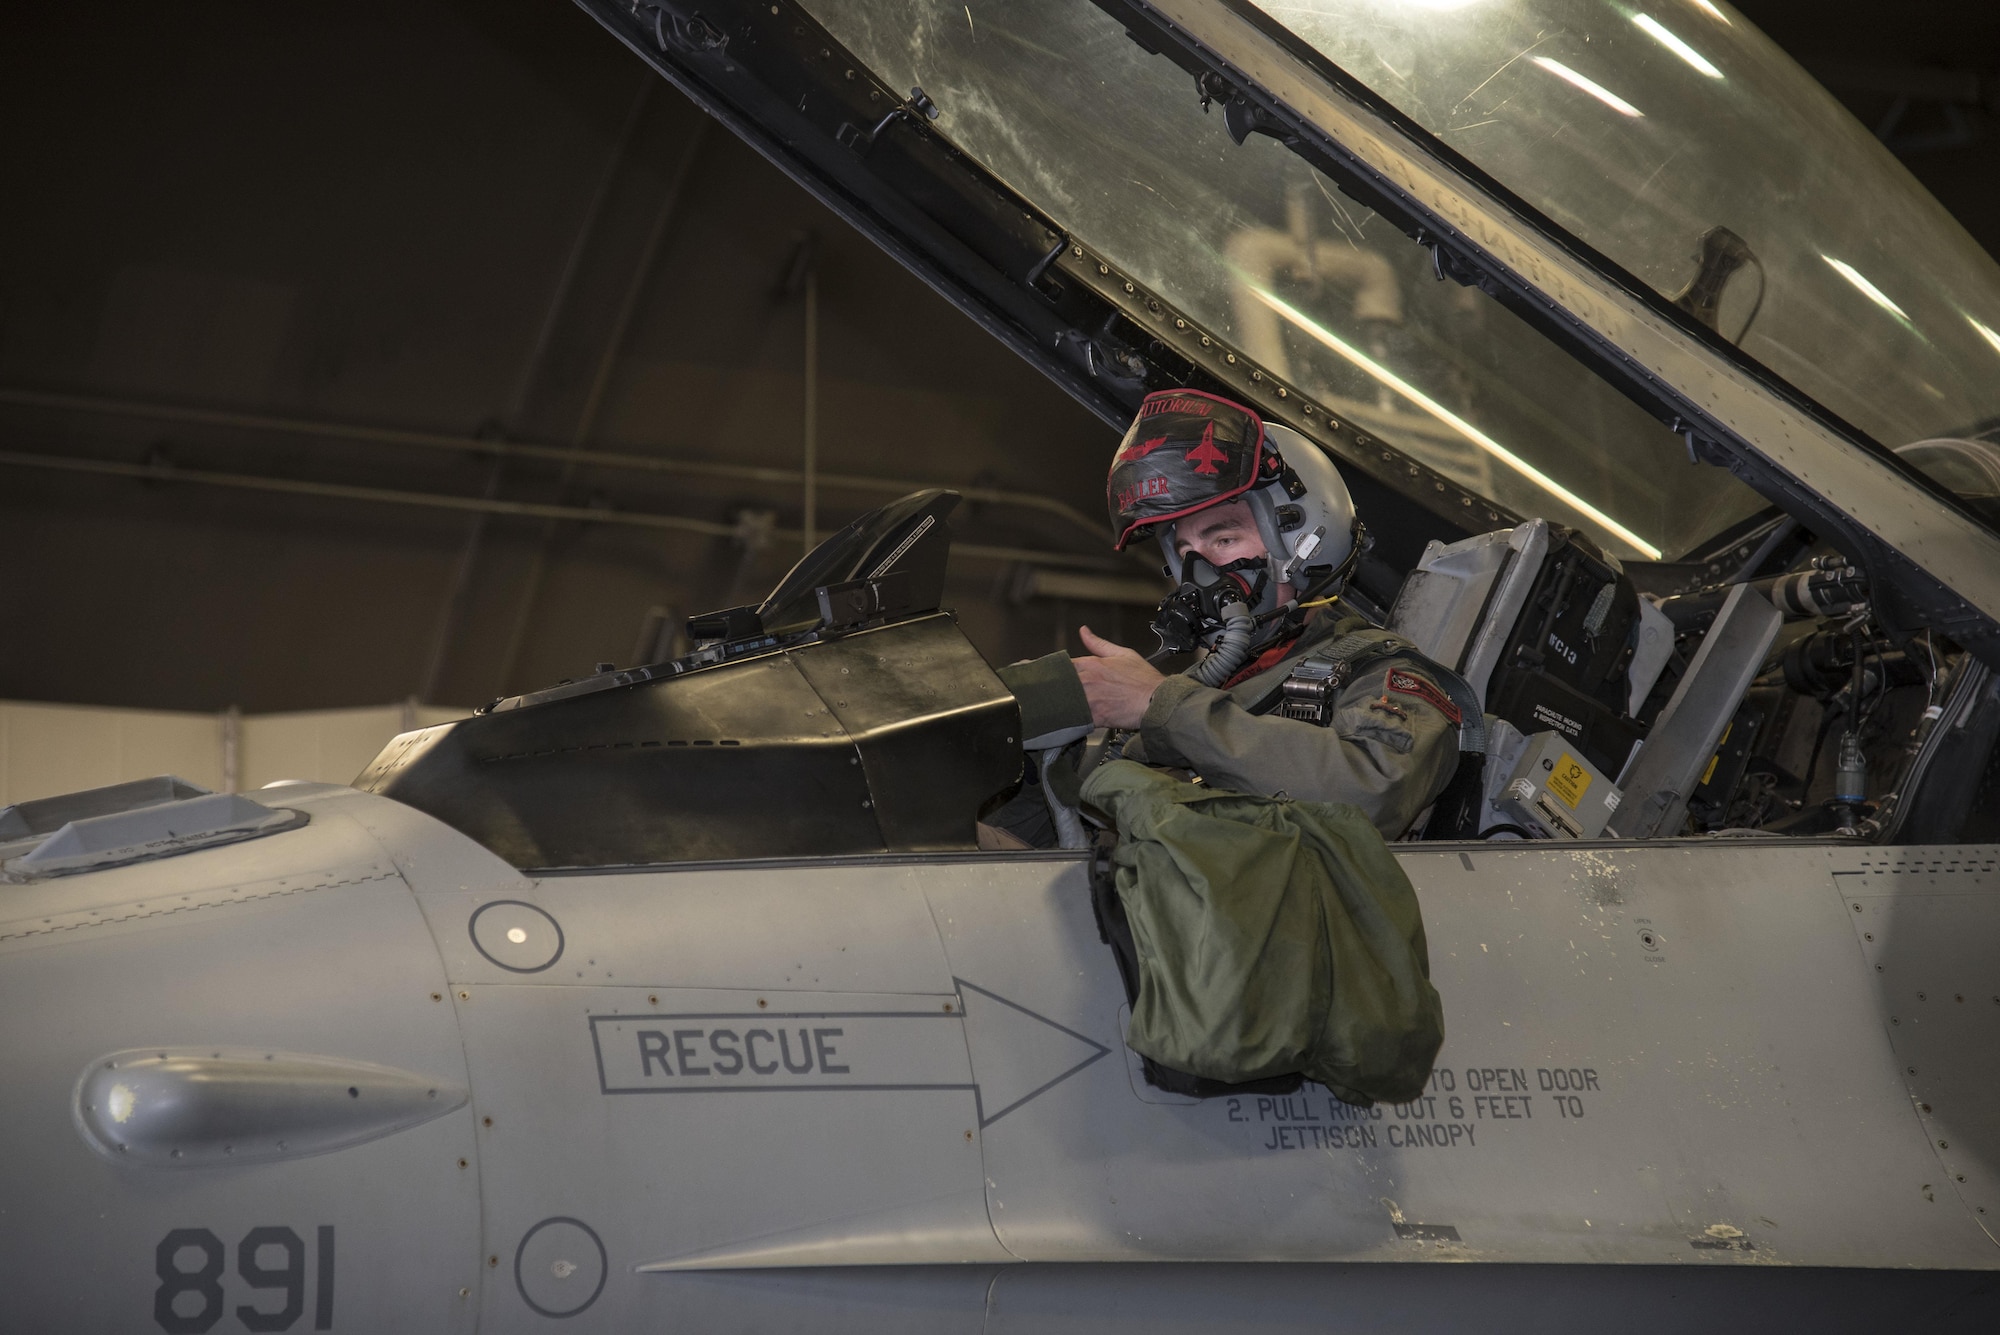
1701, 259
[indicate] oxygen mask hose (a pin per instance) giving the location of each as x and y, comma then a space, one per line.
1231, 649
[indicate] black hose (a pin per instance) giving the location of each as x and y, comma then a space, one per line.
1231, 649
1819, 743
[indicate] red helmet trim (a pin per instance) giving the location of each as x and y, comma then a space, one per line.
1223, 499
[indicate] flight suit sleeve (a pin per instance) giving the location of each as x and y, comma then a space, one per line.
1390, 750
1054, 709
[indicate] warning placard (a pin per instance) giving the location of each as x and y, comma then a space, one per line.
1570, 780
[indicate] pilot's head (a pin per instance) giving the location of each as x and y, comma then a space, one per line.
1232, 498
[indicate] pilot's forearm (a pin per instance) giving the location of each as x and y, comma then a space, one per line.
1390, 762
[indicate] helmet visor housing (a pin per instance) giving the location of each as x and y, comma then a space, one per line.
1185, 451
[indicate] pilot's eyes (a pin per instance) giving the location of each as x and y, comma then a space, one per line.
1220, 539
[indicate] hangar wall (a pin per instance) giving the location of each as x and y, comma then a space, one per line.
48, 749
485, 222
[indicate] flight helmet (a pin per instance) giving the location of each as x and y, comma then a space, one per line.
1188, 450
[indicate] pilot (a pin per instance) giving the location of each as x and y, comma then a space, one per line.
1293, 698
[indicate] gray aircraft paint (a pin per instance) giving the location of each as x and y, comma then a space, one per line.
1727, 1055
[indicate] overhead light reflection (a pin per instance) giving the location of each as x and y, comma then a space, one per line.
1714, 13
1986, 333
1866, 288
1596, 90
1656, 30
1472, 433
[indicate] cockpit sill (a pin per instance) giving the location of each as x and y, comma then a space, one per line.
1449, 847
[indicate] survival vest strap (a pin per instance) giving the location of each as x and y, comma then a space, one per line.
1313, 687
1115, 930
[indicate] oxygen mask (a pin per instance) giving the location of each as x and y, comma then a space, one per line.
1213, 607
1198, 611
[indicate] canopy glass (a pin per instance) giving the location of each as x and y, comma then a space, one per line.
1644, 128
1112, 143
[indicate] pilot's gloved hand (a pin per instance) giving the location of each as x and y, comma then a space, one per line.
1118, 682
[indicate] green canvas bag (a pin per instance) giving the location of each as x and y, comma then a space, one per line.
1272, 937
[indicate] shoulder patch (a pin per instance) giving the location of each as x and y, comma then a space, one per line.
1408, 683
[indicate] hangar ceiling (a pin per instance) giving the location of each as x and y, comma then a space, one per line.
362, 352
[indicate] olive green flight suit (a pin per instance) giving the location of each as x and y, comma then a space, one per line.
1388, 751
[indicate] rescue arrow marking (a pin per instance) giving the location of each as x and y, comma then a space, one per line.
817, 1051
1011, 1057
